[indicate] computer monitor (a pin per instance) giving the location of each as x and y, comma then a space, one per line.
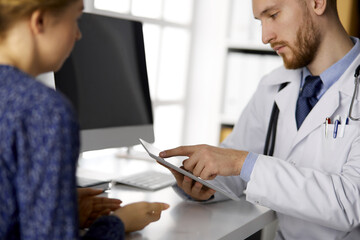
105, 78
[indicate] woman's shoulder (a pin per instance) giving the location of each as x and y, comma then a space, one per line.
22, 92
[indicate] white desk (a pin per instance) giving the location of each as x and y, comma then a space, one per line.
183, 220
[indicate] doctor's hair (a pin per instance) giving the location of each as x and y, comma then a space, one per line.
12, 11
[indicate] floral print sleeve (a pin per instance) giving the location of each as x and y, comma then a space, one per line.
39, 147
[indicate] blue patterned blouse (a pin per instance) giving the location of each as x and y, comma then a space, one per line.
39, 146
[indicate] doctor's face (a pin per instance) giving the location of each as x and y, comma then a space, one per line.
287, 25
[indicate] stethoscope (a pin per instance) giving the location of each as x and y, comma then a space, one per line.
356, 90
271, 131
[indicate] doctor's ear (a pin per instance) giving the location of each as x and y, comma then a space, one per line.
319, 6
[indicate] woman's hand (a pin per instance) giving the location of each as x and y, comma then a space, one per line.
91, 207
138, 215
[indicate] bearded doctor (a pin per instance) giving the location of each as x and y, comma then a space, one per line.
312, 179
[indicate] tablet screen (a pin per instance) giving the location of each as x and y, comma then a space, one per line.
154, 153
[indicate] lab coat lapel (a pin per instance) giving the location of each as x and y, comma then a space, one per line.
325, 107
328, 104
286, 102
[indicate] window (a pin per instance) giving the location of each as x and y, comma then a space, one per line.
167, 35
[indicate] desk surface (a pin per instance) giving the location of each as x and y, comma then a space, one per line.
183, 220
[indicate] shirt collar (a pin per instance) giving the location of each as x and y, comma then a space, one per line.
333, 73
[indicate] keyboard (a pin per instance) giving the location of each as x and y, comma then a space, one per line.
148, 180
92, 183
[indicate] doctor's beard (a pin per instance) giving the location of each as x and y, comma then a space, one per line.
305, 47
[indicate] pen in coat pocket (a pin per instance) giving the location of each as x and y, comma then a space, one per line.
327, 122
337, 121
343, 126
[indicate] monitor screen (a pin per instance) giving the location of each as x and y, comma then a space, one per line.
105, 78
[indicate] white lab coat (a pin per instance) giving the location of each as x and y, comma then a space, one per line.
312, 182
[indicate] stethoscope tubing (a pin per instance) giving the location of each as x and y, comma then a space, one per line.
355, 94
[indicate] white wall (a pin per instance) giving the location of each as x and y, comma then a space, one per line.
202, 121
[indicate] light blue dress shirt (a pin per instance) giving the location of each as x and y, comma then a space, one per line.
328, 77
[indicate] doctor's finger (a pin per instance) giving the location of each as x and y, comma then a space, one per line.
179, 151
208, 173
198, 169
178, 176
187, 185
200, 192
189, 164
196, 189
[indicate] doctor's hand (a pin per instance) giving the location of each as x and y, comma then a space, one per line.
194, 189
207, 161
138, 215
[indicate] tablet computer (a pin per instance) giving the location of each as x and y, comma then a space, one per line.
154, 153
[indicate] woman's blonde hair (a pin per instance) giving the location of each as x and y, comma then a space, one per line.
14, 10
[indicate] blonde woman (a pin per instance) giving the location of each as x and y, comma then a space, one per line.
39, 135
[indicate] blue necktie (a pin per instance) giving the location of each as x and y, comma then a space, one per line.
307, 98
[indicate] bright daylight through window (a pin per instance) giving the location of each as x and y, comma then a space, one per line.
167, 34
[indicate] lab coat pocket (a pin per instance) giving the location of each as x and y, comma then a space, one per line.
332, 131
336, 144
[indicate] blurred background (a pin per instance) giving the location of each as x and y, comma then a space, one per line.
204, 59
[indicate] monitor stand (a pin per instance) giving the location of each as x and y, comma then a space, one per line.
133, 152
